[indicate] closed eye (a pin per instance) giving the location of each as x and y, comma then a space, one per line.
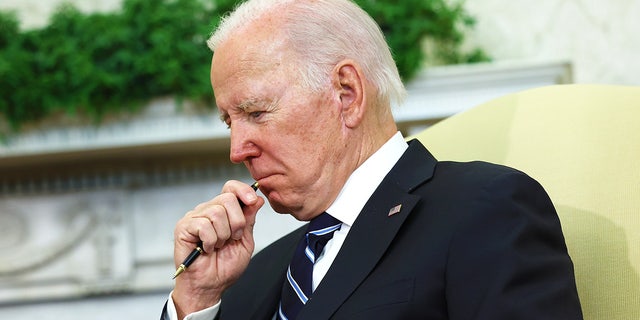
256, 114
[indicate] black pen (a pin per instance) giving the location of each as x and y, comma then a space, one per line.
198, 250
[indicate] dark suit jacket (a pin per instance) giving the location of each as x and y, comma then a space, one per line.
471, 241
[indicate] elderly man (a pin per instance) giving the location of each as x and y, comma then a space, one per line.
306, 88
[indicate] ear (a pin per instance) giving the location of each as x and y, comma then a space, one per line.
350, 87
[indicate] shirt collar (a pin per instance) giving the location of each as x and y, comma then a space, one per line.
365, 180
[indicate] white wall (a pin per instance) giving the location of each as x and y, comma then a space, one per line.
599, 37
34, 13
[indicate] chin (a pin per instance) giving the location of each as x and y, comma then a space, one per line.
278, 207
293, 205
282, 209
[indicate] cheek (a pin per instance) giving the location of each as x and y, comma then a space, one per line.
309, 134
305, 150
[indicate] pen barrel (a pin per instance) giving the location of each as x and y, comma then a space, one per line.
193, 255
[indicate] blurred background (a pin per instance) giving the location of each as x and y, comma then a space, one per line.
109, 133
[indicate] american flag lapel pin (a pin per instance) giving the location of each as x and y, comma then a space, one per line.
395, 210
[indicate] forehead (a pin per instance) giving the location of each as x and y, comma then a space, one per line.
252, 63
249, 52
260, 41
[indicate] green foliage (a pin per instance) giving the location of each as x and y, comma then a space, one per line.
95, 64
408, 23
91, 65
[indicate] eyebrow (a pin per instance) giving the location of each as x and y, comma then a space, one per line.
246, 104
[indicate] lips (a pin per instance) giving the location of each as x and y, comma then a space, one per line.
266, 181
260, 178
257, 175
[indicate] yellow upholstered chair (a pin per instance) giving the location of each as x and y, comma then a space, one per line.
582, 143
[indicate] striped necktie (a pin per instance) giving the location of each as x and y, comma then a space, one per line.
297, 287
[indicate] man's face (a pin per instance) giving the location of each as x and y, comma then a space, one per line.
290, 139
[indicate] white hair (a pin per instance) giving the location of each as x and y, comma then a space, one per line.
322, 33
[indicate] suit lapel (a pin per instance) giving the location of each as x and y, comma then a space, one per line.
264, 309
256, 294
372, 232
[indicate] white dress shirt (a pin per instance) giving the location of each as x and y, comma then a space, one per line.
350, 201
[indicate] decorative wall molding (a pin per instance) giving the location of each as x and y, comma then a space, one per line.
73, 245
96, 240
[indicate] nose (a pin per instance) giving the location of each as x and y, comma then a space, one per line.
243, 145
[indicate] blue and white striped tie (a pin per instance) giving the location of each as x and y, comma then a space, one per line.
297, 287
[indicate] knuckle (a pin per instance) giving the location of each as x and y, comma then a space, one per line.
229, 185
228, 198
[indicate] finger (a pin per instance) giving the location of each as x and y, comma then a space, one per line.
234, 215
226, 217
219, 217
250, 213
244, 192
194, 229
189, 231
184, 232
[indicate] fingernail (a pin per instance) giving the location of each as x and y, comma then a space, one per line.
238, 234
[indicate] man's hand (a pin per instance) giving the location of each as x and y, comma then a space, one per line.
226, 231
